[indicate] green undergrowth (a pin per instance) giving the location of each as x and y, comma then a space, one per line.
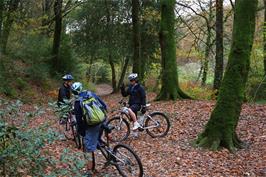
23, 148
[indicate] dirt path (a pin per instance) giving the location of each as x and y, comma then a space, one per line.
103, 89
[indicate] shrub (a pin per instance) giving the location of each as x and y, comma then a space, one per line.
21, 84
22, 148
39, 74
194, 90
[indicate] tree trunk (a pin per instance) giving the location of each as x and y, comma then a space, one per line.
219, 61
205, 66
46, 8
7, 24
113, 72
220, 129
136, 38
208, 45
123, 73
170, 88
109, 44
57, 34
264, 39
1, 17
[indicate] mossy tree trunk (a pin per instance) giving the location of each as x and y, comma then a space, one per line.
220, 129
219, 61
170, 88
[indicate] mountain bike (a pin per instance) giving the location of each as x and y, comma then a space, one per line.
71, 130
156, 123
68, 123
121, 156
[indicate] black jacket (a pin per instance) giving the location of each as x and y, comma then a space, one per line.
136, 94
64, 93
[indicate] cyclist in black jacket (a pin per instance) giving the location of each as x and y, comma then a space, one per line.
137, 98
65, 90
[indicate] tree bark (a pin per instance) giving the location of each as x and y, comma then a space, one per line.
109, 44
205, 66
219, 61
220, 131
46, 8
123, 73
136, 38
208, 45
57, 33
1, 16
264, 39
170, 87
7, 24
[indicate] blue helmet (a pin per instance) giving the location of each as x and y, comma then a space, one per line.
67, 77
76, 88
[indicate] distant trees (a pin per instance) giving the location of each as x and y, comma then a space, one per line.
220, 130
9, 7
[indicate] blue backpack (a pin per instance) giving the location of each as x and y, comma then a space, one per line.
93, 113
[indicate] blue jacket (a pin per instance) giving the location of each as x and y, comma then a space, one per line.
136, 94
82, 126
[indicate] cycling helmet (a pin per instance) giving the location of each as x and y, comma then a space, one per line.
133, 76
67, 77
76, 88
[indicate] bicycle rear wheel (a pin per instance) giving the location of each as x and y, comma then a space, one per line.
157, 124
121, 129
127, 161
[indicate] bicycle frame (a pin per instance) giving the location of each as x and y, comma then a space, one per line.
109, 155
146, 116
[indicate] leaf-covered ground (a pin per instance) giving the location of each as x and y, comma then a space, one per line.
174, 155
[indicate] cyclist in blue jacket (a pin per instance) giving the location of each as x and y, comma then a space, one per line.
91, 134
137, 98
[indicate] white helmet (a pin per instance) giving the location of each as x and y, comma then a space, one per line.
76, 88
133, 76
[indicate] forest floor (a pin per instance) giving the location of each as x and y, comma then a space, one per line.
174, 154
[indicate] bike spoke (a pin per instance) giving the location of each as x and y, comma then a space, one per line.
128, 163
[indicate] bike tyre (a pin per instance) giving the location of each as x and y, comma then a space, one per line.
112, 122
133, 154
166, 120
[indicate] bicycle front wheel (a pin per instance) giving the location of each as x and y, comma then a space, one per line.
76, 135
127, 161
121, 129
68, 131
157, 124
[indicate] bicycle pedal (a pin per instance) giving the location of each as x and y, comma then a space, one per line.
140, 129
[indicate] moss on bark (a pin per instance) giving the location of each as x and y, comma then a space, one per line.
220, 129
170, 88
